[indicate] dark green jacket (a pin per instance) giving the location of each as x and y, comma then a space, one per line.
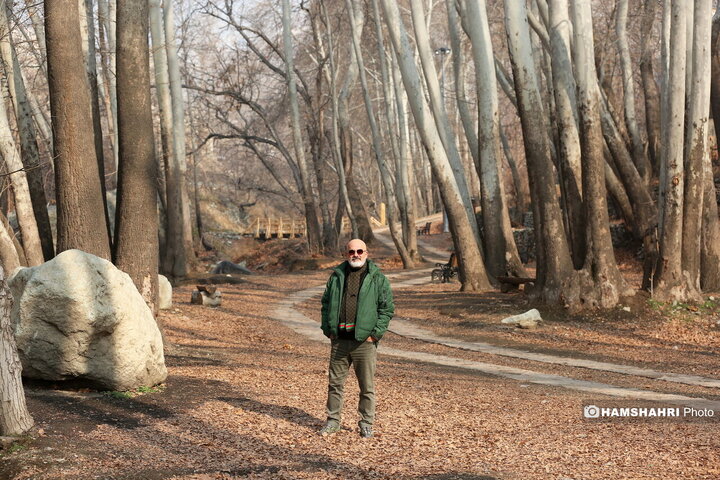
375, 305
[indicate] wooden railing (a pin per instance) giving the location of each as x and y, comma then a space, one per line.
276, 227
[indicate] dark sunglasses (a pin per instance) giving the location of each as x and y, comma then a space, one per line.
359, 251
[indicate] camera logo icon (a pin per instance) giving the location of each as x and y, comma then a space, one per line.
591, 411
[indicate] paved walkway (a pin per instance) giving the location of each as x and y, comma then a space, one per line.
287, 314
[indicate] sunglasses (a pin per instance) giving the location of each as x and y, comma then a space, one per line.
359, 251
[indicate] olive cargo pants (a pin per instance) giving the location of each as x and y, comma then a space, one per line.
362, 356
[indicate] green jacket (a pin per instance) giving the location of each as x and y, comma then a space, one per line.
375, 305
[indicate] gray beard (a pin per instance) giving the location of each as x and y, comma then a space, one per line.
357, 263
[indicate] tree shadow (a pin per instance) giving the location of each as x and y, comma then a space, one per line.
284, 412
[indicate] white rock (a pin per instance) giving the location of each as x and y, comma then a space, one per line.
530, 315
627, 309
164, 293
78, 316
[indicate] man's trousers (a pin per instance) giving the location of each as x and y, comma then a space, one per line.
362, 356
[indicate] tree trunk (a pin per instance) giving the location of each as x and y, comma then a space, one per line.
174, 261
309, 201
710, 253
439, 114
362, 222
472, 269
87, 33
501, 253
405, 166
136, 240
715, 75
669, 283
568, 136
696, 146
395, 229
80, 209
14, 416
21, 191
9, 258
650, 87
344, 200
638, 149
406, 204
178, 131
28, 138
644, 210
604, 284
556, 277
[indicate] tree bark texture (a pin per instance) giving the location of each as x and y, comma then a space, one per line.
556, 276
604, 283
87, 33
568, 136
669, 282
80, 208
136, 224
696, 146
14, 416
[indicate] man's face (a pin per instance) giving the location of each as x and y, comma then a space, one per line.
356, 253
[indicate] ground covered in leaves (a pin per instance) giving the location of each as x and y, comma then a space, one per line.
245, 398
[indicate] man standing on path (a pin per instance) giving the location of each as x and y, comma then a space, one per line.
356, 309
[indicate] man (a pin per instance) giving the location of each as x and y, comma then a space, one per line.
356, 309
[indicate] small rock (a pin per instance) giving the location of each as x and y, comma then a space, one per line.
529, 315
627, 309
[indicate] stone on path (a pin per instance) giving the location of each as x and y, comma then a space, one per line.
527, 320
164, 293
79, 317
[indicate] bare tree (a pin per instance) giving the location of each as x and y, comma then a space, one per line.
136, 224
395, 229
313, 228
28, 138
472, 268
81, 222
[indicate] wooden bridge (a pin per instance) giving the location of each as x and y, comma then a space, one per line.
264, 228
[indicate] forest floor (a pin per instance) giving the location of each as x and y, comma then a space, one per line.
245, 395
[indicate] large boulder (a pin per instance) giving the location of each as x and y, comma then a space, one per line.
164, 293
79, 317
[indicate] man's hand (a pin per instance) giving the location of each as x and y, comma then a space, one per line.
371, 339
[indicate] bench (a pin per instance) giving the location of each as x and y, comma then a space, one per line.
424, 230
445, 271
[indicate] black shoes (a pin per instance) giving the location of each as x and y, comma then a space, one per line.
366, 431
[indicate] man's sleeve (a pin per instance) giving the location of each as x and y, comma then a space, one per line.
324, 309
385, 310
